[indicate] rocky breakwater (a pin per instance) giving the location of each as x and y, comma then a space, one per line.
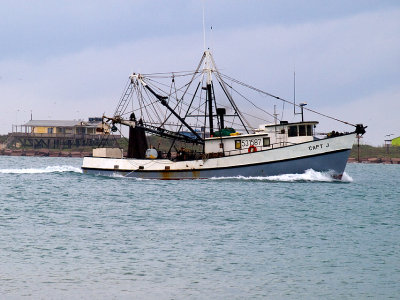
376, 160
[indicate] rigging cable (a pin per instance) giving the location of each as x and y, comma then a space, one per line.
252, 103
282, 99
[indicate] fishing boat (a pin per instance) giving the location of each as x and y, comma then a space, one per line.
199, 124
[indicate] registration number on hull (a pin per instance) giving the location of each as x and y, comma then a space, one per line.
251, 142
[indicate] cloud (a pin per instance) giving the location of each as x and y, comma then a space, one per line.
86, 83
340, 64
339, 56
378, 111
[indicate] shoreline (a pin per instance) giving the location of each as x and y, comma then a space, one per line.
44, 153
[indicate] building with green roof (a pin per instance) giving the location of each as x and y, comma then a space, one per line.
396, 141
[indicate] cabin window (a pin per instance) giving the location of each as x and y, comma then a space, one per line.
266, 142
50, 130
302, 130
309, 130
238, 144
292, 131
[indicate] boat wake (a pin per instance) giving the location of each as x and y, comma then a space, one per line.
49, 169
309, 176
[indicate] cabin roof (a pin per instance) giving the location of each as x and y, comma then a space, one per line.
289, 124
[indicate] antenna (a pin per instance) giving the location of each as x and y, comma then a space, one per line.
294, 98
211, 38
204, 30
294, 90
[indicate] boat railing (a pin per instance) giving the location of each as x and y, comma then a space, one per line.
256, 149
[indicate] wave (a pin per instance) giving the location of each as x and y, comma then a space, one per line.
308, 175
346, 177
48, 169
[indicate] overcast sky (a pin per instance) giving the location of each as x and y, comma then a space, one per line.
71, 59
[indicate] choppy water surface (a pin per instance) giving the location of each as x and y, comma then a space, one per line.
64, 234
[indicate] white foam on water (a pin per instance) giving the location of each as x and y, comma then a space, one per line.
48, 169
308, 175
346, 177
114, 175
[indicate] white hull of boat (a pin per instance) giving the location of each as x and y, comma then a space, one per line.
325, 155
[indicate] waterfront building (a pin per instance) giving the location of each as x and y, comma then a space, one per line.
61, 134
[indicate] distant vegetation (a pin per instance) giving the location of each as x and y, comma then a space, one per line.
367, 151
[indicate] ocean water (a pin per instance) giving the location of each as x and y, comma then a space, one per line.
67, 235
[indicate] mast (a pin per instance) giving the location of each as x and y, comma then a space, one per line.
210, 109
207, 70
229, 96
